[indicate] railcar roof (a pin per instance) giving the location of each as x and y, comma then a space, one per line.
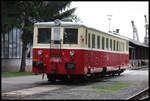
64, 23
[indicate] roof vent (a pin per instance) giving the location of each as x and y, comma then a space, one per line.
117, 30
57, 22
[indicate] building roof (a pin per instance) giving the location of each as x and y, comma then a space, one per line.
135, 42
138, 43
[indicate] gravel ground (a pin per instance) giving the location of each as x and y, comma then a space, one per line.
135, 80
87, 92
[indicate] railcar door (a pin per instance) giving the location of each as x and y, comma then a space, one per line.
56, 35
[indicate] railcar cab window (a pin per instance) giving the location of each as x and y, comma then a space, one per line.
44, 35
70, 36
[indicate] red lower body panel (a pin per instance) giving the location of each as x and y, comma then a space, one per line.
82, 62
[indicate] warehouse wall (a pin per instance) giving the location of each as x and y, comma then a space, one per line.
13, 65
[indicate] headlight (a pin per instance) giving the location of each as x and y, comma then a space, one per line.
40, 52
72, 53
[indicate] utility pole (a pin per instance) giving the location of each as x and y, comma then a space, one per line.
135, 32
146, 38
109, 18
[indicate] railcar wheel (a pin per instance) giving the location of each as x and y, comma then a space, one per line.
51, 78
104, 72
83, 79
119, 71
112, 73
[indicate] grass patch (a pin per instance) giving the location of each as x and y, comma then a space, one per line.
114, 88
16, 74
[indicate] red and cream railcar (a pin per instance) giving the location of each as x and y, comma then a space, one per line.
67, 49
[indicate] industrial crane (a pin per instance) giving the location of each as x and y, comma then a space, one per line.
135, 32
146, 38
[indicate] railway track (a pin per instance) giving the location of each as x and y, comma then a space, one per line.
140, 95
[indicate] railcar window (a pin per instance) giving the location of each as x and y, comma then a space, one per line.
93, 41
89, 40
117, 45
86, 36
123, 46
111, 44
103, 42
98, 42
120, 46
107, 43
44, 35
127, 43
70, 36
114, 45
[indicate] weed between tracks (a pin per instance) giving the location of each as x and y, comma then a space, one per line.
113, 88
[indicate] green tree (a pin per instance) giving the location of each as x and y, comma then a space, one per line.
8, 17
23, 15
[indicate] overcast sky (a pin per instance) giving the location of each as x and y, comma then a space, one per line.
94, 14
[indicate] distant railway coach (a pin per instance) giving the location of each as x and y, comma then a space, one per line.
67, 50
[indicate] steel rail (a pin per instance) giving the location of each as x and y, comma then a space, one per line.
139, 95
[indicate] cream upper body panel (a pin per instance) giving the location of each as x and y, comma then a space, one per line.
83, 37
122, 42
